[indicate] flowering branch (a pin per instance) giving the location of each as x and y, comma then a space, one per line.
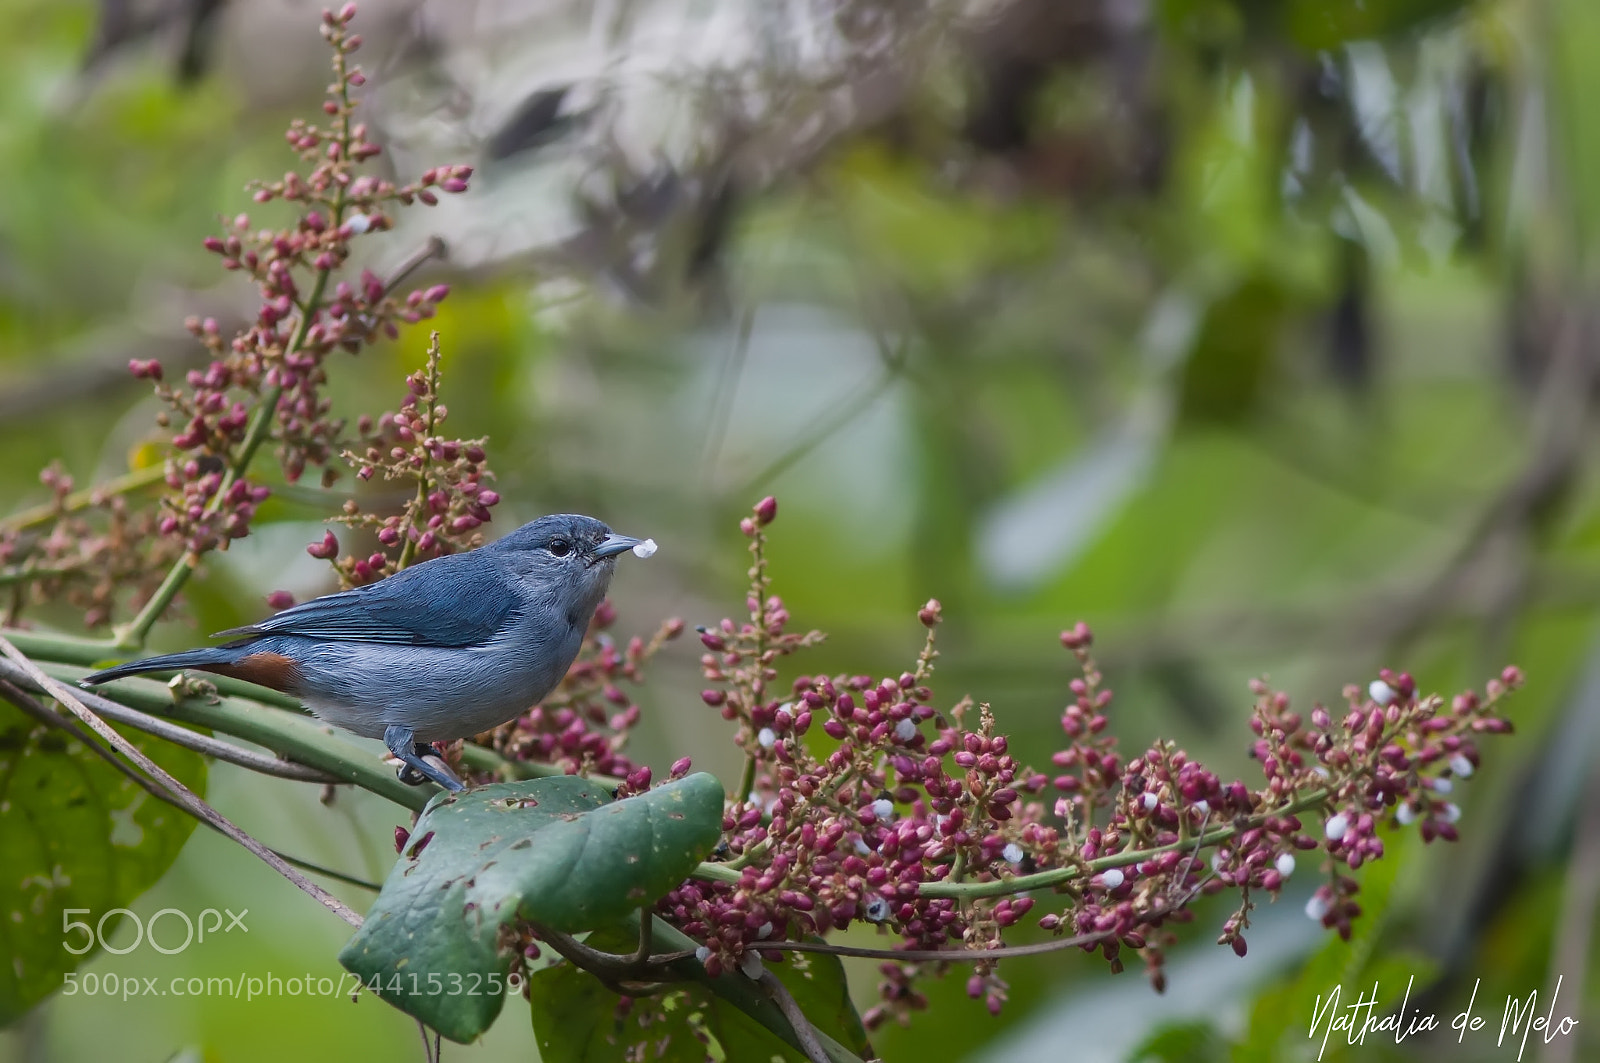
921, 821
265, 384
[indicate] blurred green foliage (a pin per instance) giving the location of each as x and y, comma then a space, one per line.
1262, 338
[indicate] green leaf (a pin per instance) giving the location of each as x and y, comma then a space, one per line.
575, 1018
1196, 1041
77, 840
556, 851
817, 983
1318, 25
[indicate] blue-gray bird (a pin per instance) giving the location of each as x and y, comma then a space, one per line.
445, 649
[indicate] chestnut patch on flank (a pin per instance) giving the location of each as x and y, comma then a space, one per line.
266, 669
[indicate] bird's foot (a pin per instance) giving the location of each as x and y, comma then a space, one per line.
418, 762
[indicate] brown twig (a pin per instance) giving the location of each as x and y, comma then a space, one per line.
802, 1026
31, 706
1579, 902
191, 801
181, 736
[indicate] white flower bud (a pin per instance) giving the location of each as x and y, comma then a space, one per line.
1443, 786
1450, 812
767, 737
1150, 801
1012, 853
1318, 907
1461, 766
1336, 827
883, 808
750, 964
1381, 692
1285, 864
1202, 808
1406, 814
702, 954
905, 730
358, 224
1113, 878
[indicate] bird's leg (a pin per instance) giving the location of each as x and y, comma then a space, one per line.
402, 742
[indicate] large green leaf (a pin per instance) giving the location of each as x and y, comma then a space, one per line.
556, 851
576, 1020
77, 840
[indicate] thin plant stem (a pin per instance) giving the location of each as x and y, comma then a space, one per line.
45, 512
936, 955
182, 736
803, 1029
132, 636
32, 707
64, 694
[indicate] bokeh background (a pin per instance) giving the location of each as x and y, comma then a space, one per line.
1261, 334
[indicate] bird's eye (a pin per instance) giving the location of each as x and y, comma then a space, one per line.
560, 547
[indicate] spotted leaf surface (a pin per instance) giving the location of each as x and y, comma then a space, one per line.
557, 851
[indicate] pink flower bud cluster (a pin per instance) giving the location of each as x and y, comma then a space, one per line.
264, 385
450, 500
584, 725
96, 557
865, 802
273, 369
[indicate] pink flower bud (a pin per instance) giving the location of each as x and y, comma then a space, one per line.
327, 549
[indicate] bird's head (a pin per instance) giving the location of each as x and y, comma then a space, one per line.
565, 555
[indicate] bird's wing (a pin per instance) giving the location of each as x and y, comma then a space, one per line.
448, 601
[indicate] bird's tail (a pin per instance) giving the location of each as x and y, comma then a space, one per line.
205, 659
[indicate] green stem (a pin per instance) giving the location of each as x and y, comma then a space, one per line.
67, 649
256, 714
62, 649
28, 572
132, 636
300, 738
1058, 876
1002, 887
117, 485
747, 779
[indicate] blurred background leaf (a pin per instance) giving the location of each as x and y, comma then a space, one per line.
1259, 335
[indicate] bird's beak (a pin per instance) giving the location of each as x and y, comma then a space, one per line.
616, 544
